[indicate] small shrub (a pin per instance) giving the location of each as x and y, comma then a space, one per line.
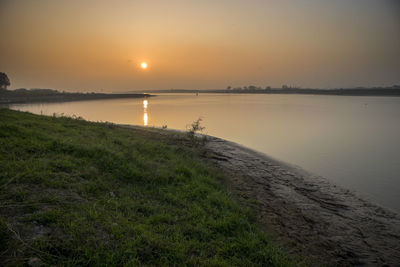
194, 129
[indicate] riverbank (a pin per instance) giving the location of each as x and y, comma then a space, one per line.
74, 192
23, 96
308, 214
129, 194
305, 213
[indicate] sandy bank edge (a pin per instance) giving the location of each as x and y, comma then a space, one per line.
309, 213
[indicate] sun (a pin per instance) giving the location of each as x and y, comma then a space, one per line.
143, 65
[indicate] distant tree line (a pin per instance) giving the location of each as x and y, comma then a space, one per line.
295, 87
248, 88
258, 88
36, 91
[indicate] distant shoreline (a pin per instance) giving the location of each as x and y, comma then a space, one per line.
48, 96
337, 92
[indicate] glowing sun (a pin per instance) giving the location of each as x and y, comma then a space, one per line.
143, 65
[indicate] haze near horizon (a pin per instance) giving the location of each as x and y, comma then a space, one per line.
103, 45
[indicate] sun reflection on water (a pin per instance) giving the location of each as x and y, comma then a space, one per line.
145, 119
145, 116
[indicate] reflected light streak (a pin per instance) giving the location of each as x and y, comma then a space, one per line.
145, 119
145, 116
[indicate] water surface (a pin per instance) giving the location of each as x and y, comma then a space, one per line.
352, 141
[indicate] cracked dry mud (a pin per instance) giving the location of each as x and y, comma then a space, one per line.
306, 213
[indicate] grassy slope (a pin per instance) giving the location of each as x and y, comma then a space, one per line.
79, 193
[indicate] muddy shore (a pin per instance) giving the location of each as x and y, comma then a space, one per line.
307, 214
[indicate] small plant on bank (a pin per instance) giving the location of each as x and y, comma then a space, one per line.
193, 130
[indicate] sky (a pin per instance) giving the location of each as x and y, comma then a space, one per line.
98, 45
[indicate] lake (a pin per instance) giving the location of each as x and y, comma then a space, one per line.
352, 141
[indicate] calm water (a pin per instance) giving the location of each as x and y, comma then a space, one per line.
353, 141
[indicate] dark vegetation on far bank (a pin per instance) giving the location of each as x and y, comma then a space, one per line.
20, 96
376, 91
81, 193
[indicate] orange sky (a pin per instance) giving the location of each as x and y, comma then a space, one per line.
98, 45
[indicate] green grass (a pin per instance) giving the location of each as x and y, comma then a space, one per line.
79, 193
